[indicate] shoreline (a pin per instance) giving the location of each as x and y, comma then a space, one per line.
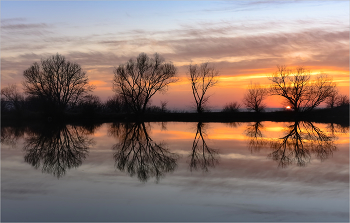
336, 115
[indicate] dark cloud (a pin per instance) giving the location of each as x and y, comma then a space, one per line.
114, 42
267, 44
213, 40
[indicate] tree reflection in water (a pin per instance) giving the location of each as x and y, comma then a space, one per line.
336, 129
256, 138
56, 148
138, 154
302, 139
202, 156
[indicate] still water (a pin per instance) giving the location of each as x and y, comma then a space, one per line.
264, 171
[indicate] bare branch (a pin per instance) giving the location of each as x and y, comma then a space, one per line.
299, 92
57, 82
202, 78
253, 99
138, 80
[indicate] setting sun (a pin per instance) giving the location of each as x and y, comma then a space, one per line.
288, 107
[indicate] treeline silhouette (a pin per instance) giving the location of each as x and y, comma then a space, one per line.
56, 87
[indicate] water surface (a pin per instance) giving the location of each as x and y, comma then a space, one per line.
263, 171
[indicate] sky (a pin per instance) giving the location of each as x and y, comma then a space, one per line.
243, 40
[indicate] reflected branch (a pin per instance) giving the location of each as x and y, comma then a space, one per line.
138, 154
336, 129
56, 148
302, 139
202, 156
255, 136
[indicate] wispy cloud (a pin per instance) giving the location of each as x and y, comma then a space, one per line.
24, 26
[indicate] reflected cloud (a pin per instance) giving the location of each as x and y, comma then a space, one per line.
56, 148
202, 156
138, 154
301, 141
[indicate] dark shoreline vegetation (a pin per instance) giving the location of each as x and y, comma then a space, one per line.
338, 115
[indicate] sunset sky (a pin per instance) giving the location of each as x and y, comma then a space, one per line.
244, 40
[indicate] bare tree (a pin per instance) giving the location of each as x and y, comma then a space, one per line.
11, 98
299, 91
254, 98
115, 104
138, 80
90, 105
202, 78
56, 81
331, 101
231, 107
202, 156
342, 100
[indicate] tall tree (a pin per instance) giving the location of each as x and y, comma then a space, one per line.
138, 80
299, 91
57, 82
202, 78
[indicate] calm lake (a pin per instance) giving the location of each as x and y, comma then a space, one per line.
266, 171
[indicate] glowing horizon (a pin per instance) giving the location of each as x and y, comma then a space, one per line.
244, 40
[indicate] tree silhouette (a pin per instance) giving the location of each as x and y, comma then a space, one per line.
57, 82
115, 104
332, 100
231, 107
56, 148
301, 141
138, 154
253, 99
202, 78
255, 136
89, 105
296, 87
11, 99
202, 156
342, 100
138, 80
